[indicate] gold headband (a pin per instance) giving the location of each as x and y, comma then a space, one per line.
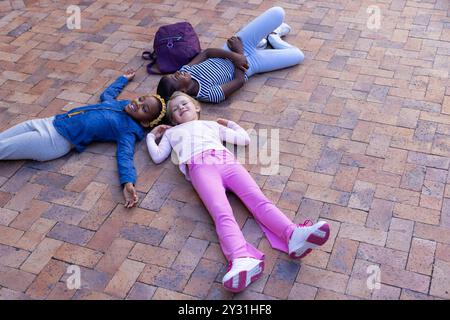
163, 110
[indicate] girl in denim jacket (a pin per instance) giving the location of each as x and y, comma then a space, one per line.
122, 121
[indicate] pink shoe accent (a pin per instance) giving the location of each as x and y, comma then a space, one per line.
312, 241
244, 278
318, 241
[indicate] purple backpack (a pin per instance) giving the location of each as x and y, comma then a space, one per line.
174, 46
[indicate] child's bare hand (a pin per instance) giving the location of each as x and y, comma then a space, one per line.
223, 122
235, 44
129, 74
159, 130
240, 62
130, 195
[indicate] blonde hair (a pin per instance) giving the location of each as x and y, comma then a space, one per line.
178, 94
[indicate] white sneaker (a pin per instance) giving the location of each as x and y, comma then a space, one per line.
282, 30
242, 272
262, 44
305, 238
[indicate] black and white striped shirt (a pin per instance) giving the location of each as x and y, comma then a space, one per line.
210, 75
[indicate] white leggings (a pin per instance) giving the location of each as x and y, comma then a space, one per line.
35, 140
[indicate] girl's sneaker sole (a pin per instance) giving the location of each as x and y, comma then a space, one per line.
314, 240
244, 278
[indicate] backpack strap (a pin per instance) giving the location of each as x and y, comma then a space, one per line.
147, 55
152, 68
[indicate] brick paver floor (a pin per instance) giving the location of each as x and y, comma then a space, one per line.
364, 144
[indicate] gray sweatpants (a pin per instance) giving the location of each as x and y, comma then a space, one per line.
34, 139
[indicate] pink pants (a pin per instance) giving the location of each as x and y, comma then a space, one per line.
212, 173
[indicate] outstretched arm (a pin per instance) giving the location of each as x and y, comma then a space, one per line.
127, 172
113, 91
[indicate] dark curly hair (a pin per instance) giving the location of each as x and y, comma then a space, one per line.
165, 88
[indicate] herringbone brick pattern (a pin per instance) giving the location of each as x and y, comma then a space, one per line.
365, 144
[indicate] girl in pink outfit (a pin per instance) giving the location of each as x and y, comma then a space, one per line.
213, 169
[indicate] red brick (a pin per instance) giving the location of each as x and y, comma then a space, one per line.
327, 195
382, 256
421, 256
12, 257
419, 214
181, 228
202, 231
9, 236
64, 214
47, 279
108, 231
405, 279
15, 279
97, 215
317, 258
343, 256
343, 214
8, 294
218, 292
309, 209
35, 234
41, 256
19, 180
302, 292
323, 294
440, 281
386, 293
141, 291
172, 279
78, 255
124, 278
142, 234
26, 219
190, 254
311, 178
114, 257
165, 294
86, 294
167, 215
359, 279
362, 195
363, 234
413, 295
7, 216
400, 234
322, 279
281, 279
443, 252
82, 179
214, 253
380, 214
22, 199
202, 278
344, 179
153, 255
69, 233
60, 292
397, 195
75, 165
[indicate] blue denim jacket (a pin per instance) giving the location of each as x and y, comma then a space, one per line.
105, 121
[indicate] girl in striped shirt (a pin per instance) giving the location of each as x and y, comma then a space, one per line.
214, 74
